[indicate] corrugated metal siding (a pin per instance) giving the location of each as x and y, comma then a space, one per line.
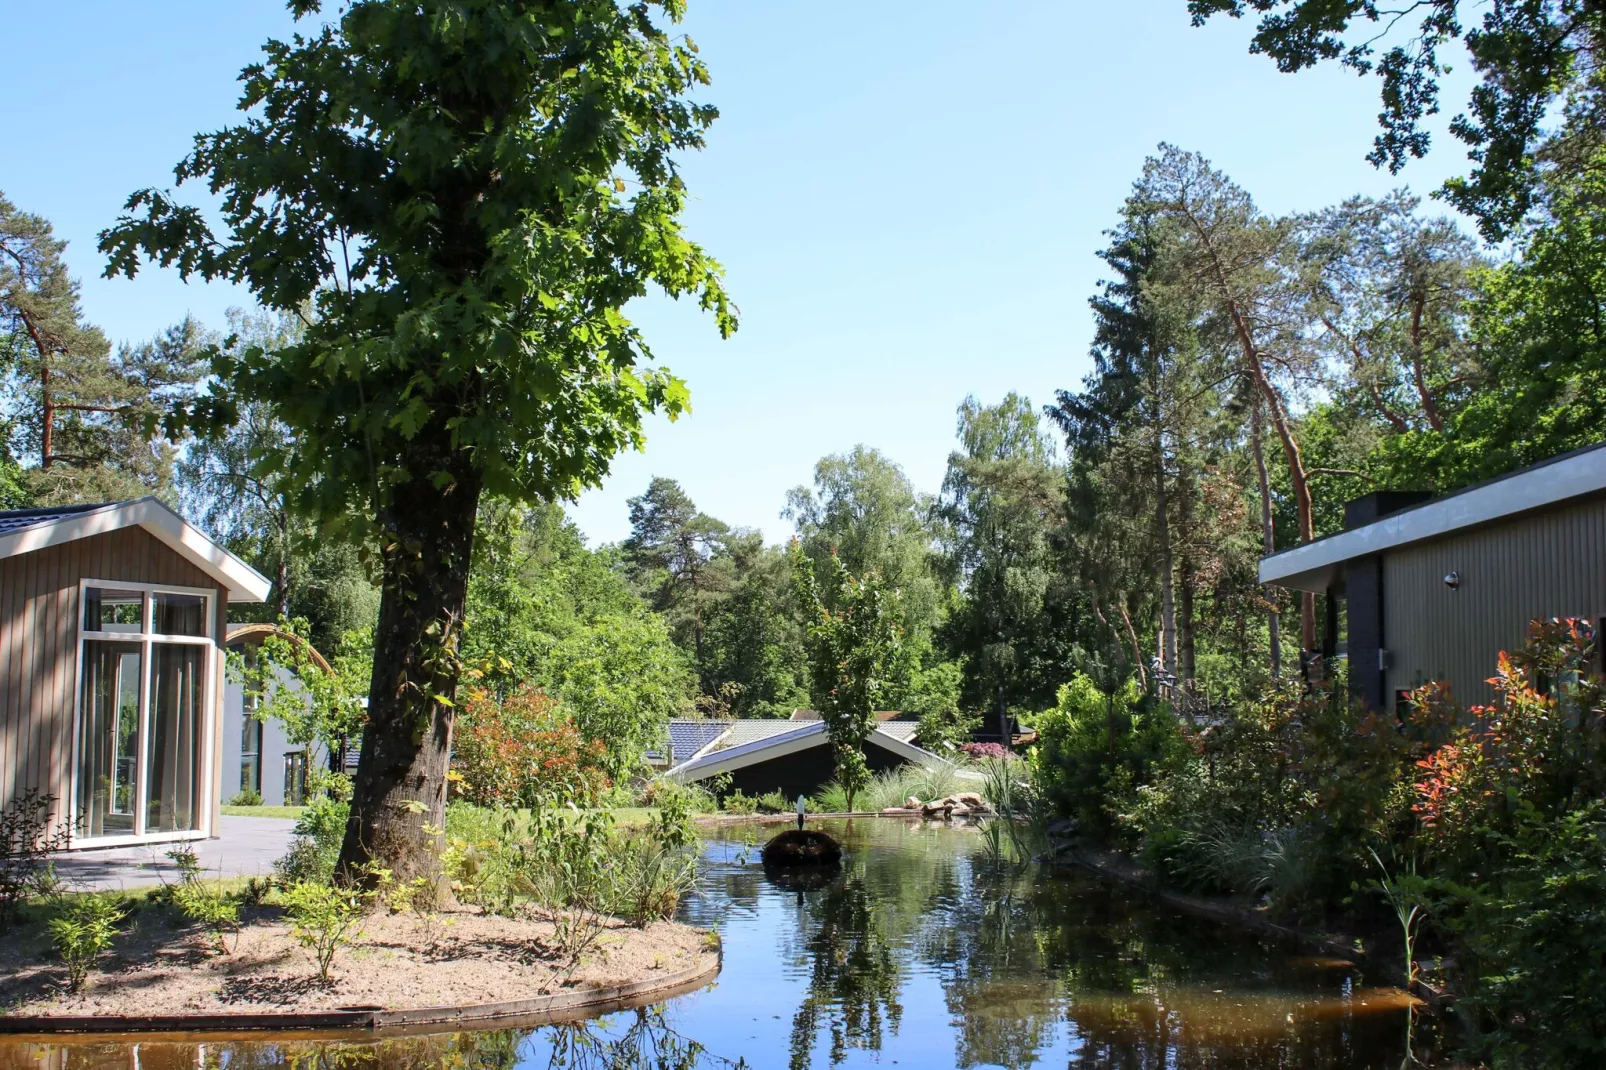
1547, 565
39, 647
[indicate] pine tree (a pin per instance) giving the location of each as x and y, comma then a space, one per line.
81, 413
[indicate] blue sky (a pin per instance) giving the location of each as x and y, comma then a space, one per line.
908, 198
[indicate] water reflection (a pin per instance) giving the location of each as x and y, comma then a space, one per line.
921, 953
639, 1039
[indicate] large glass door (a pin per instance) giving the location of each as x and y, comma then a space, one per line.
108, 740
142, 714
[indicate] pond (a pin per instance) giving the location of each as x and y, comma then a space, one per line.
924, 952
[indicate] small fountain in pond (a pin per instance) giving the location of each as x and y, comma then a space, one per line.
802, 848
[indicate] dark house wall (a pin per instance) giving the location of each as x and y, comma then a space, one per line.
1363, 594
804, 772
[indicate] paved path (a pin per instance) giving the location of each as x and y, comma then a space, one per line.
247, 847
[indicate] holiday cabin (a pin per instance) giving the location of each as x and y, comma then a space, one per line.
112, 619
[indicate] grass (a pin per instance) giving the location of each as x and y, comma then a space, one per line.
291, 812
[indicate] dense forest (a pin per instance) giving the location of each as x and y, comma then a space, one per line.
1250, 373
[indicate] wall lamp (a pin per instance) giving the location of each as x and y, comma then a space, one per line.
1452, 580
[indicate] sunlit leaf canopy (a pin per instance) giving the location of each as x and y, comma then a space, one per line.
460, 197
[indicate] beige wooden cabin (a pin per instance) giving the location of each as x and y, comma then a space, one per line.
1433, 589
112, 619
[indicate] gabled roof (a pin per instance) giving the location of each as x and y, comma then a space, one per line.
1315, 565
26, 530
775, 739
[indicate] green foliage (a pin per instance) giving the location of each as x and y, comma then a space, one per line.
574, 864
621, 681
545, 611
462, 220
208, 905
773, 802
316, 699
316, 843
323, 920
853, 640
934, 694
864, 510
83, 927
833, 798
893, 787
738, 803
1535, 943
1529, 59
245, 797
1095, 749
27, 843
1000, 506
77, 410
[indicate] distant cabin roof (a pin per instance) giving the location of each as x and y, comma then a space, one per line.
1315, 565
749, 742
880, 715
17, 519
26, 530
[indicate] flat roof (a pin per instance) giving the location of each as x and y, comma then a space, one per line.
1315, 565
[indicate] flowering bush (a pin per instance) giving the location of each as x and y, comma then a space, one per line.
512, 750
978, 752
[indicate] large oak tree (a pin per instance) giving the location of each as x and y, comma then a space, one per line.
467, 193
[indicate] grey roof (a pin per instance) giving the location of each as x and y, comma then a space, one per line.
17, 519
688, 737
749, 731
904, 730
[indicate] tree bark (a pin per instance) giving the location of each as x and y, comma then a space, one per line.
1430, 408
1168, 602
1279, 419
398, 803
1268, 533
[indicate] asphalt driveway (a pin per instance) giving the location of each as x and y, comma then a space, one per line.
246, 847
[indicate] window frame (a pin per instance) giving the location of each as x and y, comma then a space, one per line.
146, 639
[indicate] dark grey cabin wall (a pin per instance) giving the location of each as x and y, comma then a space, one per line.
1550, 564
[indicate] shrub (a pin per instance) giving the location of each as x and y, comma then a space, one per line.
831, 799
323, 920
737, 803
1095, 749
247, 797
83, 927
206, 903
893, 786
26, 846
316, 844
774, 802
981, 752
1534, 941
509, 750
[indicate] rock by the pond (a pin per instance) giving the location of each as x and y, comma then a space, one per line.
802, 847
912, 803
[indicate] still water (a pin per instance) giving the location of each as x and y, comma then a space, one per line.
922, 953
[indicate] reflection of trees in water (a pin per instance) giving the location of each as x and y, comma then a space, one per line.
995, 986
633, 1040
854, 977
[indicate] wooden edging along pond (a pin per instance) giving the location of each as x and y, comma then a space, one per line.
542, 1010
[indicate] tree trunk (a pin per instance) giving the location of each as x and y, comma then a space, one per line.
1185, 646
1430, 408
1168, 602
399, 792
1279, 422
47, 415
1132, 636
1268, 533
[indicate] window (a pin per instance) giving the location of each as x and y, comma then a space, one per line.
144, 700
295, 778
250, 732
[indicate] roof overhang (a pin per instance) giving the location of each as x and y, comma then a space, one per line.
243, 583
808, 735
1317, 565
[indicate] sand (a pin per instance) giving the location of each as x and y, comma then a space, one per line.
163, 964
